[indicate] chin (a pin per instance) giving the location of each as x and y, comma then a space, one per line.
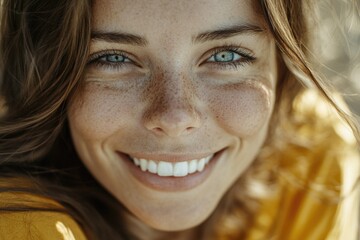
180, 219
177, 224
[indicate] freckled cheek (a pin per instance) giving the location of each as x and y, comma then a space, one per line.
99, 114
244, 111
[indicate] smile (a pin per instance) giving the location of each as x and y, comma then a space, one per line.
171, 172
172, 169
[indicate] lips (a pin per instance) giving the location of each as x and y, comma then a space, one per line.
172, 169
174, 172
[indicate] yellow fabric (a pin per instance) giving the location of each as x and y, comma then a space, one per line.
315, 197
36, 225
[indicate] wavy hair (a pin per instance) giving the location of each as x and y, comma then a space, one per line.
43, 54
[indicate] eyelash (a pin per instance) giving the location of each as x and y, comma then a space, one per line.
95, 59
246, 57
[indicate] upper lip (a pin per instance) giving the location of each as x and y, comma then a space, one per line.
173, 157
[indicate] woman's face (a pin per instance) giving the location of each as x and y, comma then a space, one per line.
185, 90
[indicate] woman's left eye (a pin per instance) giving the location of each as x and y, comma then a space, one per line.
225, 56
230, 58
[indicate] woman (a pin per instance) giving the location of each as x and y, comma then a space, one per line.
170, 119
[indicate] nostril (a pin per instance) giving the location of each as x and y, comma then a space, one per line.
174, 120
172, 130
189, 129
158, 130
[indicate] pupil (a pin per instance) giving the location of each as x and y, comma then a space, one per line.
115, 58
224, 56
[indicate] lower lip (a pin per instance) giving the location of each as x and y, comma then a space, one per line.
170, 184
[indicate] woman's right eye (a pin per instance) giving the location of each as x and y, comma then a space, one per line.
114, 58
110, 60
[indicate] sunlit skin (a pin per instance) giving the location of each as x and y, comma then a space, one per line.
174, 93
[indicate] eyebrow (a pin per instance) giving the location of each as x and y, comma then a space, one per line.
227, 32
119, 37
132, 39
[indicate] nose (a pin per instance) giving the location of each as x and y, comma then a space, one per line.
171, 110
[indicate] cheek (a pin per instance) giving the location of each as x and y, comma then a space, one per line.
99, 112
240, 109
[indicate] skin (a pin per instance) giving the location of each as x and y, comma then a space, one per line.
172, 98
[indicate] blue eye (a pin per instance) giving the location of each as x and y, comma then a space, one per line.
225, 56
114, 58
111, 60
230, 58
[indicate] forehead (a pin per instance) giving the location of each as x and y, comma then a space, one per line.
153, 17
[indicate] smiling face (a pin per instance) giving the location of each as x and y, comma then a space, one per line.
176, 105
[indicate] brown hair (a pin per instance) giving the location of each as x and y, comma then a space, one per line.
43, 49
43, 45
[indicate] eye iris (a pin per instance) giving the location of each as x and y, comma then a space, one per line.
115, 58
224, 56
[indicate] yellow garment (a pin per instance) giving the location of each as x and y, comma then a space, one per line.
315, 197
36, 225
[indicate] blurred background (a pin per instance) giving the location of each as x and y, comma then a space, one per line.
338, 45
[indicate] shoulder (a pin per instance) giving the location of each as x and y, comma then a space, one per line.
16, 223
39, 225
319, 147
320, 170
317, 169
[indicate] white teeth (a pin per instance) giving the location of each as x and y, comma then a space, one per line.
193, 166
181, 169
143, 164
201, 165
136, 161
152, 167
207, 160
167, 169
